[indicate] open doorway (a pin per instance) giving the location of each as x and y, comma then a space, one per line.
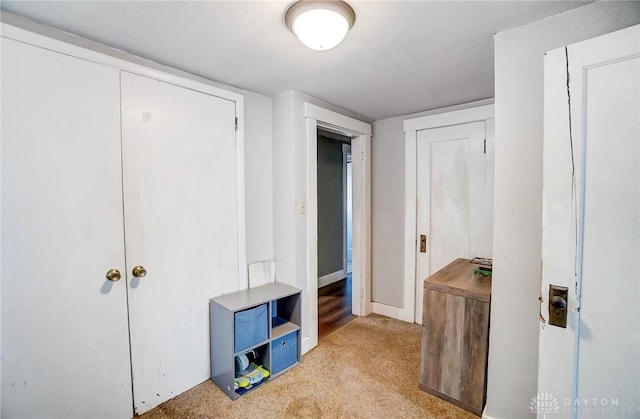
334, 186
360, 134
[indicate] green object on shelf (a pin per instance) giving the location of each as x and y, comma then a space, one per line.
482, 272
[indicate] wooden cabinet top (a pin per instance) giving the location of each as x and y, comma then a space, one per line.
458, 278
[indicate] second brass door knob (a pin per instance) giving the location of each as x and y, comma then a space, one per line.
139, 272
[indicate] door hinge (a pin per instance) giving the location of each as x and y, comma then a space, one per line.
236, 123
485, 146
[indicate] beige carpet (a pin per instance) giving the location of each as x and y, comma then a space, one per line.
367, 369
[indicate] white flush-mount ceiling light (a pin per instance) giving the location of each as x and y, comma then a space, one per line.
320, 25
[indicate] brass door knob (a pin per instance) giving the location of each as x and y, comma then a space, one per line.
139, 272
113, 275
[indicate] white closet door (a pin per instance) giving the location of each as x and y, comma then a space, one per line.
65, 345
453, 199
591, 228
180, 222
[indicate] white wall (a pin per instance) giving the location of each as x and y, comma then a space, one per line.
258, 166
387, 212
284, 189
519, 52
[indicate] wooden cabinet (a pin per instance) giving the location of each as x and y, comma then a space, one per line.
455, 335
105, 169
265, 320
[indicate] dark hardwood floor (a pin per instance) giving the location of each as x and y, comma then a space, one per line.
334, 306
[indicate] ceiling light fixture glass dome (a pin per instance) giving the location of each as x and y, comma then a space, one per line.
320, 25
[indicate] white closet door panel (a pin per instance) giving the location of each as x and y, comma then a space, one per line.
611, 249
449, 219
180, 222
65, 341
451, 198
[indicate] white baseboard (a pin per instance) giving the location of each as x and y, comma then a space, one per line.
389, 311
306, 345
323, 281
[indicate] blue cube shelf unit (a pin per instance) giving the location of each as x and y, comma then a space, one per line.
265, 320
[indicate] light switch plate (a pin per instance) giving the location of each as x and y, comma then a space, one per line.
302, 206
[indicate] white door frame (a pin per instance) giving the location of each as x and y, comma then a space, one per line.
360, 132
346, 153
480, 111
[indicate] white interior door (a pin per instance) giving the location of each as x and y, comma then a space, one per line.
65, 345
181, 225
452, 199
591, 227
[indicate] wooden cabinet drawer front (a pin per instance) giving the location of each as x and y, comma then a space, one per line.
454, 347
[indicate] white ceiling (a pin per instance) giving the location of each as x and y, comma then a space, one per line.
400, 57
